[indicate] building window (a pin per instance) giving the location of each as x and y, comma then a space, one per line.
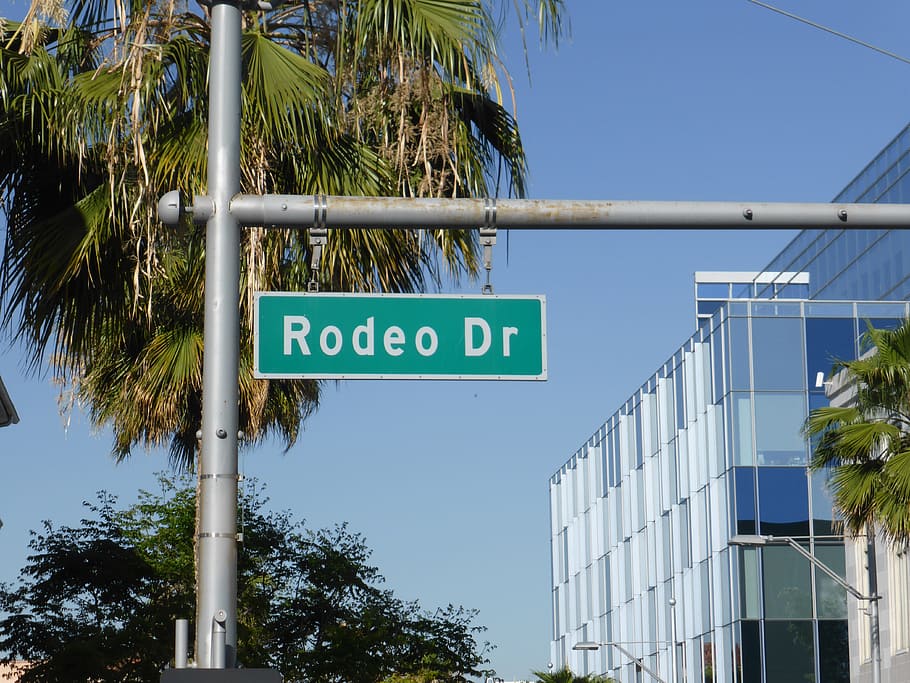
787, 584
899, 597
833, 652
783, 501
749, 584
747, 657
741, 423
823, 511
744, 484
789, 651
779, 421
738, 349
828, 340
830, 598
777, 353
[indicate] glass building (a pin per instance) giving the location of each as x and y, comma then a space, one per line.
710, 447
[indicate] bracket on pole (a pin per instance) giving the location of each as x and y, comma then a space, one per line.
488, 240
319, 237
318, 240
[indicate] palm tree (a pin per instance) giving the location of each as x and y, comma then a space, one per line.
102, 111
865, 446
565, 675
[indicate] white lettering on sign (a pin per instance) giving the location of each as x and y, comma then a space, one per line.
392, 340
296, 328
364, 333
469, 325
427, 341
507, 334
478, 338
333, 348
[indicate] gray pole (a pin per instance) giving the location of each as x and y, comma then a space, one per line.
674, 664
181, 643
398, 212
217, 542
874, 635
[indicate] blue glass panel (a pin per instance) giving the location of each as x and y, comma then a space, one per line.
817, 399
824, 515
639, 455
738, 351
828, 340
712, 290
743, 291
775, 309
833, 652
717, 371
680, 397
783, 501
744, 481
793, 291
881, 310
779, 421
777, 353
829, 310
789, 651
707, 307
878, 323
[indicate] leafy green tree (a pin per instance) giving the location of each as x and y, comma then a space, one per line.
865, 446
103, 108
97, 602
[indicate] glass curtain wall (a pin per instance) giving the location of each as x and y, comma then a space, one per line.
860, 264
708, 447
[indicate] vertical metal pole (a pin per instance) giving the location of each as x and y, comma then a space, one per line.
181, 641
217, 589
674, 665
872, 574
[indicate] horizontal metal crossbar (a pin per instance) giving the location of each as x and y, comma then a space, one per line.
286, 211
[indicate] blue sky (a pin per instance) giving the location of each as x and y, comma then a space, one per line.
655, 99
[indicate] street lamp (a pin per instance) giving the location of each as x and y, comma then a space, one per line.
591, 645
754, 541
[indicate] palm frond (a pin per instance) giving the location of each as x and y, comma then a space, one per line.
865, 447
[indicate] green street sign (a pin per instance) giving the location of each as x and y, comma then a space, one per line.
399, 336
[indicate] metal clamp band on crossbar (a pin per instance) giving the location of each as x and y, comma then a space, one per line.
320, 211
283, 211
489, 214
488, 240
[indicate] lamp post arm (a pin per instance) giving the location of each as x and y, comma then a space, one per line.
637, 661
793, 543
